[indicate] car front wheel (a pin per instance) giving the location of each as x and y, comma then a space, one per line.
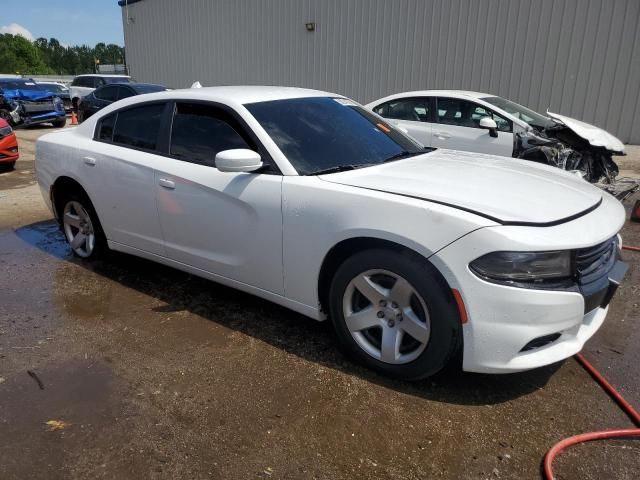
393, 312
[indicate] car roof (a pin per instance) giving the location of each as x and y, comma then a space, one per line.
447, 93
241, 94
102, 75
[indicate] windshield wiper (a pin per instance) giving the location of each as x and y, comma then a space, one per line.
401, 155
339, 168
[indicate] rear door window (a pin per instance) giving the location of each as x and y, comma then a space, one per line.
411, 109
105, 128
138, 127
200, 131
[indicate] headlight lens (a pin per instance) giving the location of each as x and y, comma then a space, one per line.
5, 131
58, 103
524, 266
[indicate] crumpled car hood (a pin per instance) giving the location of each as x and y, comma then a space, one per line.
506, 190
28, 95
594, 135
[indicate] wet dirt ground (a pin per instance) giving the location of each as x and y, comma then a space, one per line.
147, 372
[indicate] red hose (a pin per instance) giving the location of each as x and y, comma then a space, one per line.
586, 437
629, 247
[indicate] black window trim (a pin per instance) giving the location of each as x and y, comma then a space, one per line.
164, 132
491, 111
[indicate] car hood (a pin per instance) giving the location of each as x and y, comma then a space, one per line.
506, 190
28, 95
594, 135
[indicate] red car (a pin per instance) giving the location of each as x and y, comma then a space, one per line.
8, 145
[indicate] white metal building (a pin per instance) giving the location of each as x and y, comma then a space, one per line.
576, 57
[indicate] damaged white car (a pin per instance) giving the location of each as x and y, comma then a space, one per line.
479, 122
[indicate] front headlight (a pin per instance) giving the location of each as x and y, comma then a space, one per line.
5, 131
59, 104
524, 266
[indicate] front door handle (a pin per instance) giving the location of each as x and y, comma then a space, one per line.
168, 184
89, 161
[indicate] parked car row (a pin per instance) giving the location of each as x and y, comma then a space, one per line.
418, 255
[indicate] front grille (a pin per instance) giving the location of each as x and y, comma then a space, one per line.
45, 106
595, 262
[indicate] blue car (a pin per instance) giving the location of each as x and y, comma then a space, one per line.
23, 102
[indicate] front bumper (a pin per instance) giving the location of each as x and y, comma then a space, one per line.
9, 149
505, 321
43, 118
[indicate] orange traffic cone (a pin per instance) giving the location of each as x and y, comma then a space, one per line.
74, 119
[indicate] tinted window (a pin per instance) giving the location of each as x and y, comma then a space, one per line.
125, 92
138, 127
462, 113
323, 133
105, 128
412, 109
200, 131
109, 94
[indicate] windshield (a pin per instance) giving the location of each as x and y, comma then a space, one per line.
20, 85
523, 113
322, 134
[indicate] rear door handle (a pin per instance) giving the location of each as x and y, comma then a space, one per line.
442, 135
89, 161
167, 183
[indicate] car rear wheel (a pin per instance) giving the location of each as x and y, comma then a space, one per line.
82, 228
393, 312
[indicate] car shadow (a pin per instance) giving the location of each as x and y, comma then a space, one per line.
277, 326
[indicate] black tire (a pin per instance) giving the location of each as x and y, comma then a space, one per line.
445, 338
100, 246
7, 167
60, 122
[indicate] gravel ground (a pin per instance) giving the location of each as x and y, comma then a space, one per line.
151, 373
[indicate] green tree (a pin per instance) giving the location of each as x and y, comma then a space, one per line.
19, 55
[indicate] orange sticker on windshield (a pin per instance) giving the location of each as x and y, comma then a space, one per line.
383, 127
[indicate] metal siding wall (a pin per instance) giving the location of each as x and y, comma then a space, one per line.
576, 57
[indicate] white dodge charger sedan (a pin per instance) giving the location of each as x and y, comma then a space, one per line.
309, 200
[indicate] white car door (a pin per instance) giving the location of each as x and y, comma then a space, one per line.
228, 224
410, 114
458, 128
126, 143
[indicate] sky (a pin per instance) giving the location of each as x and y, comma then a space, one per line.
72, 22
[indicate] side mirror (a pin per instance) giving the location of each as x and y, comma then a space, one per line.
238, 160
489, 124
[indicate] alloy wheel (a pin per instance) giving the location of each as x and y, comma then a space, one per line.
78, 229
386, 316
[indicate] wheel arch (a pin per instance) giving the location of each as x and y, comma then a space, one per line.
348, 247
61, 186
